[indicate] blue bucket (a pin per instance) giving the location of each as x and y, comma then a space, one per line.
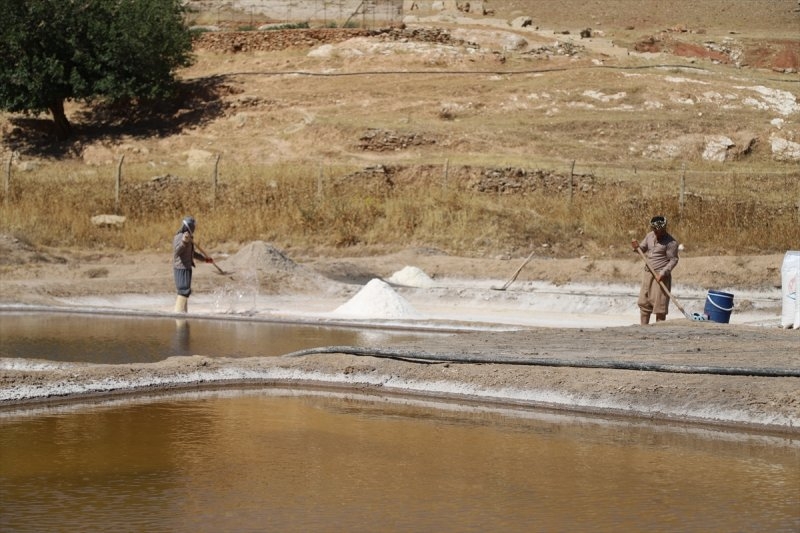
719, 306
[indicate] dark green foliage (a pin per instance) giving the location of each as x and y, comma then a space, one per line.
290, 26
57, 50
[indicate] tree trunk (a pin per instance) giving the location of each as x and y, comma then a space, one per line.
63, 129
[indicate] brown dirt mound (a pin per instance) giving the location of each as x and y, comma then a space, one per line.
778, 55
788, 57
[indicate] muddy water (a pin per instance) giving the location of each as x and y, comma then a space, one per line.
282, 460
111, 339
278, 460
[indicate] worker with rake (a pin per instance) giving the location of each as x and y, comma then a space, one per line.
661, 256
183, 256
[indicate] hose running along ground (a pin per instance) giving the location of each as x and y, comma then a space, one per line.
423, 357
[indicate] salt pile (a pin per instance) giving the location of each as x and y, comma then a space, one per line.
263, 256
411, 276
376, 300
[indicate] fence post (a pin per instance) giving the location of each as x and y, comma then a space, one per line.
7, 178
682, 193
320, 178
446, 172
571, 180
117, 181
214, 182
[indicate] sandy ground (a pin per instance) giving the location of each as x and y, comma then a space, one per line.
562, 336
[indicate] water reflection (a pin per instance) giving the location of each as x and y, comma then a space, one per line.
124, 339
180, 344
284, 461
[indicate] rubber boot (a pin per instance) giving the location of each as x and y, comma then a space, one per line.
181, 304
644, 318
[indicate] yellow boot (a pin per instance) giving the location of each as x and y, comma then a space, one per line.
181, 304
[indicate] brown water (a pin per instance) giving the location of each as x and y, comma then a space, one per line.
278, 460
95, 338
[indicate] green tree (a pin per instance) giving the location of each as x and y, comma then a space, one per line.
59, 50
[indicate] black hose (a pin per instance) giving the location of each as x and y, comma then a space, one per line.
421, 357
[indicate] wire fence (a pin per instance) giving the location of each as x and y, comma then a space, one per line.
340, 203
688, 186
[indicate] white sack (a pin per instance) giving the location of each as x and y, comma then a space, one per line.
790, 289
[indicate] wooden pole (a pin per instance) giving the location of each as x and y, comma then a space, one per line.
446, 172
797, 189
214, 181
733, 201
682, 193
571, 180
7, 179
117, 182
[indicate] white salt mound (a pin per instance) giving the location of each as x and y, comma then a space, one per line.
411, 276
376, 300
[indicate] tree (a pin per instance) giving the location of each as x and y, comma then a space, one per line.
59, 50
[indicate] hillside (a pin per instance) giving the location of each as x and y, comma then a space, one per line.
467, 87
707, 91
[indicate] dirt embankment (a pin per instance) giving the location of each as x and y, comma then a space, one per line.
780, 55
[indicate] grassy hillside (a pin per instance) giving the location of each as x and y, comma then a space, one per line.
463, 134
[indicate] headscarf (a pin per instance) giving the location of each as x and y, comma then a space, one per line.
187, 224
658, 222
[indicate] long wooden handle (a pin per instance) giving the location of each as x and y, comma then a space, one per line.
514, 277
661, 283
208, 256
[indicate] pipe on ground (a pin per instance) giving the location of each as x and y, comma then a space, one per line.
422, 357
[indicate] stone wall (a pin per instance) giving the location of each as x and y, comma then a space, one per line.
265, 41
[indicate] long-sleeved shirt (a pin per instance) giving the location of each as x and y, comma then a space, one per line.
184, 253
662, 253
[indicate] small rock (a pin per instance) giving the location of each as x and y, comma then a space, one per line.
108, 221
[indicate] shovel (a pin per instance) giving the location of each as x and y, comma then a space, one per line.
219, 270
695, 316
514, 277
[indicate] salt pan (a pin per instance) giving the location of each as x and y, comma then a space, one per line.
376, 300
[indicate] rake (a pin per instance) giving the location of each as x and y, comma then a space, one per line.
219, 270
693, 316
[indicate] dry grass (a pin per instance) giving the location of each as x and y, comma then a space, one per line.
290, 146
308, 206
